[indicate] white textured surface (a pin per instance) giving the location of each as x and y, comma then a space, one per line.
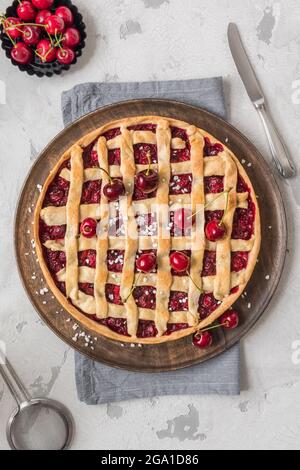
161, 39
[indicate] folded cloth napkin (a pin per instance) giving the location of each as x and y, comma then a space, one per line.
98, 383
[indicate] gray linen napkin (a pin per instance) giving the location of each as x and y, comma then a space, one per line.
97, 383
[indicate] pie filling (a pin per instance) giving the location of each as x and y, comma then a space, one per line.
181, 184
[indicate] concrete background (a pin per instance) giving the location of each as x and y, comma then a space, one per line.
146, 40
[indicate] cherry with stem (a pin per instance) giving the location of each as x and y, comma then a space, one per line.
107, 174
216, 230
42, 57
11, 25
18, 27
180, 262
147, 180
114, 189
145, 264
229, 320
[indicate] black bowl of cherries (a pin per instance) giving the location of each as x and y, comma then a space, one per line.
42, 37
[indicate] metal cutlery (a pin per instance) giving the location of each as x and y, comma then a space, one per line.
278, 149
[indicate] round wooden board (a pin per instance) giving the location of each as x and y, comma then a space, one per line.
176, 354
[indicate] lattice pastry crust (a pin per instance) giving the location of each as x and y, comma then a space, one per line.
84, 307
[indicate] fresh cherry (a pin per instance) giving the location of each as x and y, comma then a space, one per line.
46, 51
114, 189
183, 219
88, 227
215, 230
230, 319
41, 4
147, 181
179, 261
54, 25
65, 55
203, 340
26, 11
42, 16
31, 35
21, 53
146, 263
12, 32
71, 38
66, 14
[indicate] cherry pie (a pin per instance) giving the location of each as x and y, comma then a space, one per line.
147, 229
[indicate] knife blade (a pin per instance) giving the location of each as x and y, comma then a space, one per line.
278, 149
244, 66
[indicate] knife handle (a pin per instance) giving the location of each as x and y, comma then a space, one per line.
279, 152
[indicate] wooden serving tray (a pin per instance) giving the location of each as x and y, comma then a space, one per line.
174, 354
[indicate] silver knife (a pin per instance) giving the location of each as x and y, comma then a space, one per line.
279, 151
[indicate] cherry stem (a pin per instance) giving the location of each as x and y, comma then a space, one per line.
50, 37
106, 172
43, 58
58, 41
3, 18
211, 328
11, 39
211, 202
149, 163
226, 206
27, 24
13, 26
134, 286
188, 274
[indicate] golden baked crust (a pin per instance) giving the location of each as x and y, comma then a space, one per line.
80, 305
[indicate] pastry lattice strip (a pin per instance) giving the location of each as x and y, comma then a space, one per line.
58, 216
146, 243
212, 167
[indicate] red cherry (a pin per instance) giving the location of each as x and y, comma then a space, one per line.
42, 16
31, 35
9, 29
46, 51
203, 340
26, 11
65, 56
183, 219
146, 262
71, 38
215, 230
54, 25
41, 4
114, 190
21, 53
179, 261
147, 181
66, 14
88, 227
230, 319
